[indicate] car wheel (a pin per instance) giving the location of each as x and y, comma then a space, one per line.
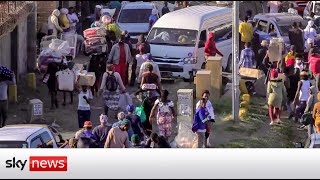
229, 64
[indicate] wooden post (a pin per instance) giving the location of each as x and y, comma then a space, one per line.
203, 78
214, 65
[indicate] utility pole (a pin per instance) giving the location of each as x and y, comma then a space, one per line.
235, 60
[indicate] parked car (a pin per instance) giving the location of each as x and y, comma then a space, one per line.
281, 22
29, 136
134, 17
183, 58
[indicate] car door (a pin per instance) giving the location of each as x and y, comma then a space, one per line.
262, 30
36, 142
48, 141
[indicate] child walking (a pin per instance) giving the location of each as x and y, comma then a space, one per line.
84, 112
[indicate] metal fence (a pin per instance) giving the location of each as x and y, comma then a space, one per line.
11, 12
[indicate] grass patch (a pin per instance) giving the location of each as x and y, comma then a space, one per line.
223, 106
230, 128
246, 143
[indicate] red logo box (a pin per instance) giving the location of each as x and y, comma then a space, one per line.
48, 163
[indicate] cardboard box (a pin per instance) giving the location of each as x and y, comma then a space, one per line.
249, 72
87, 79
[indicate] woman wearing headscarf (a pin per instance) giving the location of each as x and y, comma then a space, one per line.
53, 23
165, 114
120, 56
277, 92
63, 20
309, 32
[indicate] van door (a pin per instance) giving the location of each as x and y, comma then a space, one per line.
200, 49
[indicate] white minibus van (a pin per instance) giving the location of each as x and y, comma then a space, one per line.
178, 38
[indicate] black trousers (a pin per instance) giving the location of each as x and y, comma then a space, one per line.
3, 112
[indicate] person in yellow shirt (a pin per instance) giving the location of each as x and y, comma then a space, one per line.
63, 20
292, 53
246, 31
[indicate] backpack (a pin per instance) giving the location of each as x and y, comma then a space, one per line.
111, 82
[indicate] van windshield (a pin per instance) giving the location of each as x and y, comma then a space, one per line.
173, 37
134, 16
12, 144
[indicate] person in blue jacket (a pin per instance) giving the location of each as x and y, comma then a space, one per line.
200, 121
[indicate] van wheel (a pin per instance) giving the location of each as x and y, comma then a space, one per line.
229, 64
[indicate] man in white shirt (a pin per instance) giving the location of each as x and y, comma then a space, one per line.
84, 112
274, 6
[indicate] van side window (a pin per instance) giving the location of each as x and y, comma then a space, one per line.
203, 36
47, 140
222, 31
36, 143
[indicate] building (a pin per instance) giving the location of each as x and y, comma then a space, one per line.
18, 36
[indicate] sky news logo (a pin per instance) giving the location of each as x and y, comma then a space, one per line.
39, 163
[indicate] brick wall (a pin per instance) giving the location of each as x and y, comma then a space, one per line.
45, 9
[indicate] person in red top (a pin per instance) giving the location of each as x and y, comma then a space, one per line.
210, 48
290, 62
314, 65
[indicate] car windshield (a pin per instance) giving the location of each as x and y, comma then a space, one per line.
173, 37
12, 144
134, 16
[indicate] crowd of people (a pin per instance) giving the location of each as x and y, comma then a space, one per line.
112, 79
293, 80
292, 83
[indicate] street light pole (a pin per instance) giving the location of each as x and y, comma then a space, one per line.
235, 60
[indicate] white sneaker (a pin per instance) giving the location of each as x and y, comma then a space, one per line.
271, 124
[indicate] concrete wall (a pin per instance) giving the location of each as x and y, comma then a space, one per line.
5, 50
22, 47
18, 48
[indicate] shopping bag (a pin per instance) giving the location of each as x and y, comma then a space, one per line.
139, 111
